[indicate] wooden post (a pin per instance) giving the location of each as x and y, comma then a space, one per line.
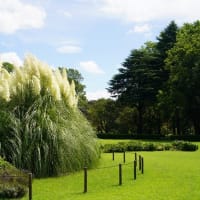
124, 156
142, 162
30, 185
135, 169
136, 158
120, 174
85, 179
113, 155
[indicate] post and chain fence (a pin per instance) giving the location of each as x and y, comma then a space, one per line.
137, 164
120, 166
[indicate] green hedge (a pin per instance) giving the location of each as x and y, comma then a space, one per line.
184, 146
149, 146
149, 137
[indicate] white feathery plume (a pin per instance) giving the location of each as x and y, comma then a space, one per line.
31, 65
41, 77
36, 85
55, 89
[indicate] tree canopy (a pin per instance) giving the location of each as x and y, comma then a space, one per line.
139, 80
143, 75
183, 61
161, 80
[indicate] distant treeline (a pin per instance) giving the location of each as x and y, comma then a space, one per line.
157, 89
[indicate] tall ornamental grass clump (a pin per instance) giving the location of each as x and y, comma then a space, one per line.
41, 128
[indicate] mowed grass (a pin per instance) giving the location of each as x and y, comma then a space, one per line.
168, 175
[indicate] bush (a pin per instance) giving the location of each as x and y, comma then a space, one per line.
13, 183
15, 191
134, 146
184, 146
149, 146
168, 137
120, 147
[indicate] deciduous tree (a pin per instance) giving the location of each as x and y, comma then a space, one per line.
184, 64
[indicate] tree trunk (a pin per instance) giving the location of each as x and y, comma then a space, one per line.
173, 126
196, 123
159, 125
178, 121
140, 120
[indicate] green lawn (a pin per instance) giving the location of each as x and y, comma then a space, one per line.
168, 175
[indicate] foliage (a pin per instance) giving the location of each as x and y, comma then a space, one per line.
41, 128
102, 114
8, 66
166, 40
184, 64
161, 81
126, 120
138, 81
149, 146
14, 186
166, 137
141, 85
184, 146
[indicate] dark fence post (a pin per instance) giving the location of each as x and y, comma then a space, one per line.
120, 174
142, 161
124, 156
85, 179
135, 169
136, 158
113, 155
30, 185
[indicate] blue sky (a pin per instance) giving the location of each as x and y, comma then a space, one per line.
93, 36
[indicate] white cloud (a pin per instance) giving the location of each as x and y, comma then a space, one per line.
10, 57
16, 15
145, 10
91, 67
145, 28
69, 49
97, 95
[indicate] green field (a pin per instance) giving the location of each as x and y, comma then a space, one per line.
168, 175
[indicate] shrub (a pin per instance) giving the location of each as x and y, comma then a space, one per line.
134, 146
160, 147
184, 146
149, 146
167, 146
120, 147
13, 183
14, 191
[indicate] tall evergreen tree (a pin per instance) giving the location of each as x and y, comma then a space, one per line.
138, 81
166, 40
